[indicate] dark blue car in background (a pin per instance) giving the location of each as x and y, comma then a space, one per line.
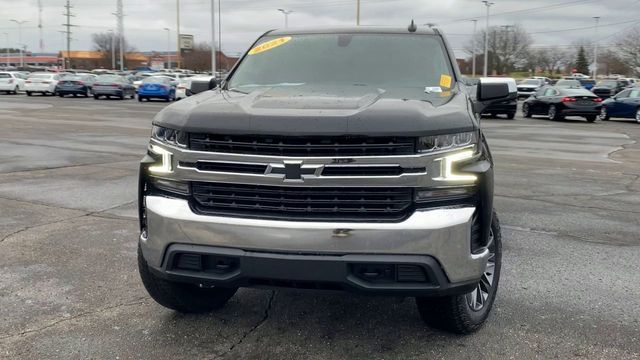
626, 104
157, 87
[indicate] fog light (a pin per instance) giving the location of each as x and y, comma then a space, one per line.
446, 193
173, 186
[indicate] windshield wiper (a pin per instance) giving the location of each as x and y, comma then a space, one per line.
238, 91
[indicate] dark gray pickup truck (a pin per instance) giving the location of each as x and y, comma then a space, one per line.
333, 159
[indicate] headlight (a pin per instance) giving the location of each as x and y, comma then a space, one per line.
169, 136
166, 160
447, 164
446, 142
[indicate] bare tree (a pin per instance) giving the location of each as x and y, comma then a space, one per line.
102, 42
628, 48
199, 58
508, 47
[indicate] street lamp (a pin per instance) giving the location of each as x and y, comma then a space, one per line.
286, 16
168, 47
113, 49
473, 59
20, 39
486, 39
595, 50
6, 37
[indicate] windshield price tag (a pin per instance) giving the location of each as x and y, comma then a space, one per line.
269, 45
445, 81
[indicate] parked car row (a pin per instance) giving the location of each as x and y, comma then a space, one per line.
165, 86
556, 102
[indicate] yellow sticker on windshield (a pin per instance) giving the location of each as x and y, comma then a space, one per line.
445, 81
269, 45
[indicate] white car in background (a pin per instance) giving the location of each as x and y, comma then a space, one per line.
11, 82
43, 83
183, 88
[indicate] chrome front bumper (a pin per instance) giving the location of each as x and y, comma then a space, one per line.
443, 234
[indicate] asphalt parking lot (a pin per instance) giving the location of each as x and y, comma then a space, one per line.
567, 193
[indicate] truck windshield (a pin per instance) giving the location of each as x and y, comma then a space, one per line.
380, 60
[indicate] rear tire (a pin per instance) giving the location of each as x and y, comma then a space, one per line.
140, 98
604, 114
182, 297
526, 111
591, 118
466, 313
29, 93
638, 115
511, 116
553, 114
96, 97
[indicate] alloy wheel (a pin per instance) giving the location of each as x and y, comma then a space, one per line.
552, 112
638, 115
603, 113
480, 295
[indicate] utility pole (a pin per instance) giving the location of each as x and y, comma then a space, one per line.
120, 16
68, 14
219, 53
168, 46
286, 16
113, 49
213, 38
507, 29
473, 51
486, 40
595, 50
40, 25
20, 39
357, 12
178, 54
6, 37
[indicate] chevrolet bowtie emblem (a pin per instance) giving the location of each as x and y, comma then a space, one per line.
293, 170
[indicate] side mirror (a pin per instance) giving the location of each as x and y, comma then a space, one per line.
213, 84
493, 90
496, 89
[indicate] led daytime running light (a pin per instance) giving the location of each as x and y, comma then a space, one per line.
446, 167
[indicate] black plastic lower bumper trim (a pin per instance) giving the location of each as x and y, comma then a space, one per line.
390, 275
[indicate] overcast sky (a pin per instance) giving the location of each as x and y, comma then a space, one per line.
550, 22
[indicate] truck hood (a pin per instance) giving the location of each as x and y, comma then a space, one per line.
291, 110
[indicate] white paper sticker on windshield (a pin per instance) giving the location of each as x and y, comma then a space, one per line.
432, 89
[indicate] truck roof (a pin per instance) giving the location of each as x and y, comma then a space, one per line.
422, 30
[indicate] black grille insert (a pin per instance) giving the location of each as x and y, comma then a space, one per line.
302, 203
303, 146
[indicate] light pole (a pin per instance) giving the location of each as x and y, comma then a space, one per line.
357, 12
486, 40
473, 51
286, 16
113, 49
595, 50
6, 37
20, 39
178, 54
168, 46
213, 38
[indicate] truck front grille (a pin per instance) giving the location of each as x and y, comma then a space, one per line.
299, 146
302, 203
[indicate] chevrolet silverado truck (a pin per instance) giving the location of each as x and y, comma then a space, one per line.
344, 159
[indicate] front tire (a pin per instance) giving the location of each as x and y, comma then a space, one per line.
29, 93
466, 313
511, 116
182, 297
604, 115
638, 115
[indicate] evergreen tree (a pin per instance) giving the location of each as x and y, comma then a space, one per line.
582, 64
